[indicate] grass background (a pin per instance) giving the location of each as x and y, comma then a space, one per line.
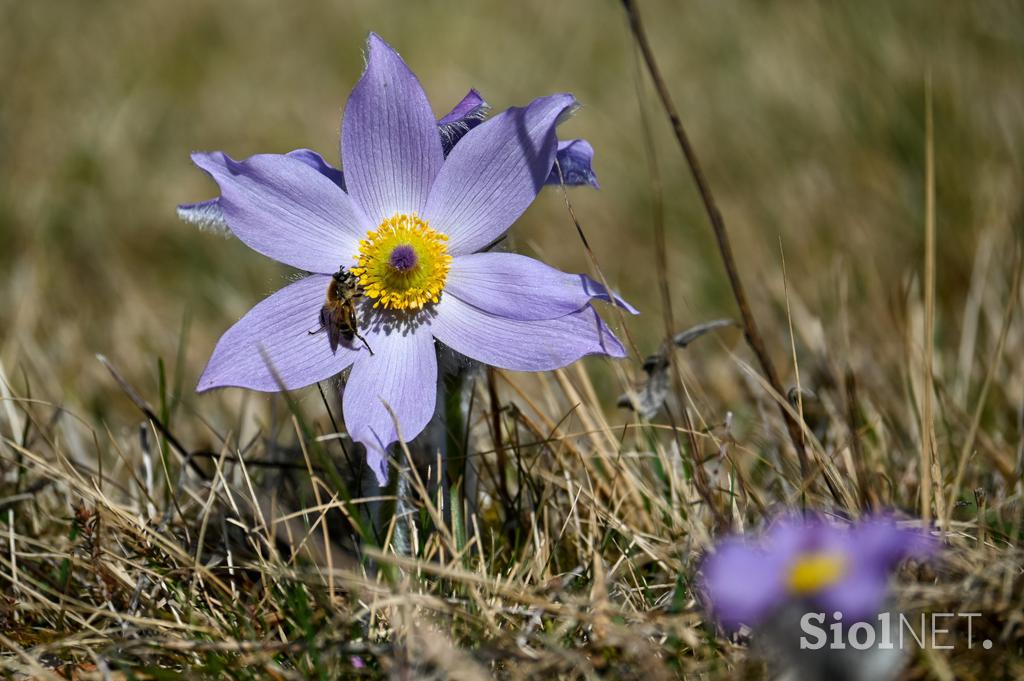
808, 118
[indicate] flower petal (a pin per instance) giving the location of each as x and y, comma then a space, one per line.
743, 584
879, 544
466, 115
538, 345
390, 147
575, 158
286, 210
859, 596
790, 535
208, 215
469, 105
402, 372
274, 338
518, 287
317, 163
494, 173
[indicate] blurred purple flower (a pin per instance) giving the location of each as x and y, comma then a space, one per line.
410, 224
821, 566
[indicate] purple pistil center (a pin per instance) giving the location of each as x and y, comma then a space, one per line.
403, 258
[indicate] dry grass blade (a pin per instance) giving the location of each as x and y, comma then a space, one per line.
928, 458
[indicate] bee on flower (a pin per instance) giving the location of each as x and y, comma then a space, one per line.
409, 220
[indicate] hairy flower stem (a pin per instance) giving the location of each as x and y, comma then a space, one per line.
455, 427
458, 472
393, 508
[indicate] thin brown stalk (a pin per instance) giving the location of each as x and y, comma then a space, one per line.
819, 466
661, 260
927, 417
750, 329
972, 433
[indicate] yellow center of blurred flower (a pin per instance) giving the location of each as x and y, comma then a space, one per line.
403, 263
813, 572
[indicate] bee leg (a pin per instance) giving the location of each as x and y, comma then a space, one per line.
323, 324
364, 342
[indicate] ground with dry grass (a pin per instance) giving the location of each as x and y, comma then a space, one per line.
149, 532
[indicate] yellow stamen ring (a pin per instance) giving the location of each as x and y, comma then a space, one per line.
812, 572
403, 264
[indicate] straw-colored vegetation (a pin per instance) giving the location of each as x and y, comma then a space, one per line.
146, 531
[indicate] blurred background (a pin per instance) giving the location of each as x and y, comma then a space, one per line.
808, 118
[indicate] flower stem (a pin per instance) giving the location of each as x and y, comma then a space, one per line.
457, 463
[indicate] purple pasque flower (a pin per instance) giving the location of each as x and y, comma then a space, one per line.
410, 224
811, 563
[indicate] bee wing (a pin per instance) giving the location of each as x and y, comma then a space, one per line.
330, 321
319, 327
